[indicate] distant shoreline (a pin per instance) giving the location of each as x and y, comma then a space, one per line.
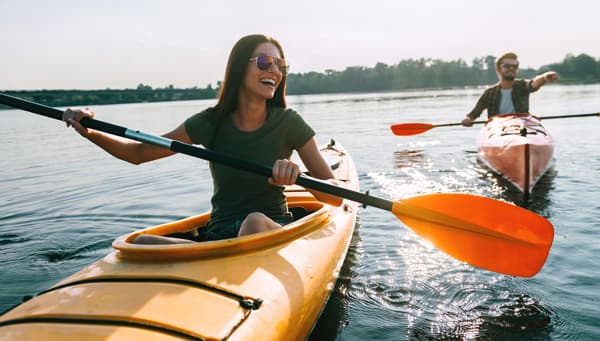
66, 98
407, 75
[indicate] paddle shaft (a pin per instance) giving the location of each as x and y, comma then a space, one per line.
196, 151
541, 118
409, 129
455, 124
568, 116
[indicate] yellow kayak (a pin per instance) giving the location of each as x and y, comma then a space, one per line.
266, 286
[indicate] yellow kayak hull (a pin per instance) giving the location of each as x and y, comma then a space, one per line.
267, 286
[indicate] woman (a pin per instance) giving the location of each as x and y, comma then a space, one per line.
250, 121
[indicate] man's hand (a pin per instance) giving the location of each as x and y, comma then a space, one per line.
551, 76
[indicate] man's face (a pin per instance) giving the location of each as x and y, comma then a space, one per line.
508, 69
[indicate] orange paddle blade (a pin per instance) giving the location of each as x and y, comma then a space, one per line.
407, 129
483, 232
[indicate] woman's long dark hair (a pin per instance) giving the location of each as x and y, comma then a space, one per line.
239, 59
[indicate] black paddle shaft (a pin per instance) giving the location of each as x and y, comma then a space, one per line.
541, 118
196, 151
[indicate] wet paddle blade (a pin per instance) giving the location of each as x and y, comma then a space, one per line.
407, 129
483, 232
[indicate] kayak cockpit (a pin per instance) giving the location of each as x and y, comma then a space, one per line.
317, 216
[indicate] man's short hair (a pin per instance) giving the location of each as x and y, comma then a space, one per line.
507, 55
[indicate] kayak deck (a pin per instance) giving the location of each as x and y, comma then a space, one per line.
266, 286
517, 147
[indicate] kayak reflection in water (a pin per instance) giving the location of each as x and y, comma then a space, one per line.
250, 121
509, 95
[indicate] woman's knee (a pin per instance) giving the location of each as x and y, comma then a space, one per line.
257, 222
255, 219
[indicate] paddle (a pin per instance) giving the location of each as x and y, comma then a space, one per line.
486, 233
408, 129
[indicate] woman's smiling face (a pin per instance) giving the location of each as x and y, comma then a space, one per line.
259, 82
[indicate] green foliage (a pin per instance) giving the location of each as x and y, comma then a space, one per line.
143, 93
430, 73
582, 68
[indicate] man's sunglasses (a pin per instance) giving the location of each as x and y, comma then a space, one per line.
266, 62
510, 66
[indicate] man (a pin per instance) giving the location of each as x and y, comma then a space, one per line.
509, 95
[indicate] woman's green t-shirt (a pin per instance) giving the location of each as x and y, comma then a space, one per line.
236, 193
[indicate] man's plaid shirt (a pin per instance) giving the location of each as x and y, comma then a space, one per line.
490, 99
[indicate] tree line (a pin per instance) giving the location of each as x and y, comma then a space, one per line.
407, 74
143, 93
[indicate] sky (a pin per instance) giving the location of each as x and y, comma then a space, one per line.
91, 44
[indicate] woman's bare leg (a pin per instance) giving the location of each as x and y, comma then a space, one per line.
257, 222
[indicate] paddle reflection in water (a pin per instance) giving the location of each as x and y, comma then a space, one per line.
408, 158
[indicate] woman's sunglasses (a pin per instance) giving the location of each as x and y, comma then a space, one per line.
266, 62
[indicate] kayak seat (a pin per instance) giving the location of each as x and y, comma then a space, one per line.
298, 212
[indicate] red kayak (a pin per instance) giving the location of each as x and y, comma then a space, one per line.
518, 147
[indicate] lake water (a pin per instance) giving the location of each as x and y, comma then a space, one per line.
63, 201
